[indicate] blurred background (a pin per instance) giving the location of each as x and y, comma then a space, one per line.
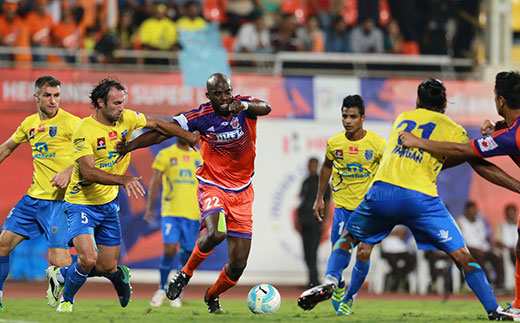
303, 57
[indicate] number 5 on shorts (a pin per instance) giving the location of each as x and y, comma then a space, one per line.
84, 218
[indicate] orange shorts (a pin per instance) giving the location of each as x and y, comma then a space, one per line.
237, 208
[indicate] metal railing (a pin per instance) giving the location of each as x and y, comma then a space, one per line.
282, 63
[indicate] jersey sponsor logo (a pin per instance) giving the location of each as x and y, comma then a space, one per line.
353, 150
31, 133
185, 173
487, 143
101, 143
356, 171
112, 135
41, 128
53, 131
42, 149
444, 235
186, 158
111, 155
225, 136
339, 153
369, 154
173, 161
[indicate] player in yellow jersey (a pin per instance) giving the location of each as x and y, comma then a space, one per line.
405, 192
352, 158
40, 211
91, 196
175, 166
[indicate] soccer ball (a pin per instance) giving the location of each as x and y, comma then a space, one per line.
263, 299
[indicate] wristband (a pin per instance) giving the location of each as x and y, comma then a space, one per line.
245, 105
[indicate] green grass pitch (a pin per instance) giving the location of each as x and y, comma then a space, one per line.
98, 311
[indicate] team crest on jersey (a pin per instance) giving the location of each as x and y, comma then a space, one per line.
53, 131
339, 153
31, 133
101, 143
41, 128
353, 150
369, 154
487, 144
112, 135
234, 122
173, 161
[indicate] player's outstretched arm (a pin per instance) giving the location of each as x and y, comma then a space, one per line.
92, 174
171, 129
7, 148
253, 108
153, 189
444, 148
319, 205
494, 174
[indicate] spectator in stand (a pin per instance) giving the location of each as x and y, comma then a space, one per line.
93, 14
253, 37
13, 32
467, 26
337, 39
368, 9
67, 34
320, 9
192, 19
440, 266
394, 39
311, 36
158, 33
40, 24
126, 34
476, 233
506, 233
142, 9
241, 11
395, 250
283, 37
367, 38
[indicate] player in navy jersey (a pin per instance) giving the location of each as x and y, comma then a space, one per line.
502, 138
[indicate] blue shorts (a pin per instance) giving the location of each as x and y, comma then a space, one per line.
32, 217
178, 229
386, 205
339, 223
100, 221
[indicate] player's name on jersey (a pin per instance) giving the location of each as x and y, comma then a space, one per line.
410, 153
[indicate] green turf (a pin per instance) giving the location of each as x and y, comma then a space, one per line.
100, 311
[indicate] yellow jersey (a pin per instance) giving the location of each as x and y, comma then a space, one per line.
94, 138
179, 193
354, 164
51, 150
414, 168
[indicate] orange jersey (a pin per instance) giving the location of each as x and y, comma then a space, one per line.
14, 34
227, 146
67, 35
39, 28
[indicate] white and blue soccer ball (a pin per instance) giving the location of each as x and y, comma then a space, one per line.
263, 299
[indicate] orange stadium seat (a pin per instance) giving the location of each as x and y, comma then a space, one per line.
411, 47
228, 41
350, 12
215, 10
297, 8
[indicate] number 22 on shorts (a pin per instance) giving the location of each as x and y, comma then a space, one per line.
211, 203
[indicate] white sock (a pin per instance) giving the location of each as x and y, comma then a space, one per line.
59, 277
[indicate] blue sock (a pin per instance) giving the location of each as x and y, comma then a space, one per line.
4, 271
478, 282
73, 282
359, 273
165, 266
338, 261
74, 258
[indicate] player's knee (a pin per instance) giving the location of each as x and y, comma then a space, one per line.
170, 250
363, 253
60, 260
237, 266
216, 237
87, 262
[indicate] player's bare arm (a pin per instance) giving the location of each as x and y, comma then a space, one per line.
319, 205
494, 174
7, 148
253, 108
172, 129
153, 189
62, 178
444, 148
90, 173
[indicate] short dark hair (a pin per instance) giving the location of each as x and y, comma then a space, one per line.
469, 204
100, 90
432, 95
48, 80
510, 206
351, 101
507, 85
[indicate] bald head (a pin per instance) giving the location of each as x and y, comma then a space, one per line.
217, 79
